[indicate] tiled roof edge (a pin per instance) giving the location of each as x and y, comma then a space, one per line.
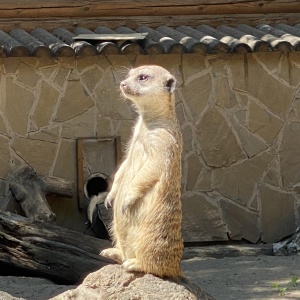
163, 39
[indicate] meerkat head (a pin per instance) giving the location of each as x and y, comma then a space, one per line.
149, 87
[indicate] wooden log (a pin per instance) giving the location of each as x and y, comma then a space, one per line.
94, 8
293, 40
149, 46
129, 47
287, 28
253, 42
36, 248
190, 44
213, 44
58, 47
81, 48
29, 190
11, 46
169, 45
48, 23
35, 47
103, 47
58, 186
108, 47
234, 44
275, 42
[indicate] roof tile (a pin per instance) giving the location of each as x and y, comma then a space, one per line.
202, 39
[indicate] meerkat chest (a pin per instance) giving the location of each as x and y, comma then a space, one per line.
138, 150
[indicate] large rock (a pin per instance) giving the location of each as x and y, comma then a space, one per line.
112, 282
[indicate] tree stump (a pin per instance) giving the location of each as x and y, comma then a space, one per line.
30, 191
33, 248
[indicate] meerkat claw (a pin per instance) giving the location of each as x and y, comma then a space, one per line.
132, 265
108, 201
112, 253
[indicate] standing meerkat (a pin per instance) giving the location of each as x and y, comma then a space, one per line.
145, 193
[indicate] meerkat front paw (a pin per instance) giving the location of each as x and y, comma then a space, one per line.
108, 202
112, 253
132, 264
128, 202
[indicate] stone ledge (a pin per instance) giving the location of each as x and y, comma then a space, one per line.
221, 251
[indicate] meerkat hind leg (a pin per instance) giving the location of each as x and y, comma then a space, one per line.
132, 264
113, 253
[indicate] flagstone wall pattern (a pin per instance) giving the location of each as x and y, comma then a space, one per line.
239, 115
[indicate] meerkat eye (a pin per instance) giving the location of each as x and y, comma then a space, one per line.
143, 77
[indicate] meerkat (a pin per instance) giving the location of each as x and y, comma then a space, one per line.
146, 191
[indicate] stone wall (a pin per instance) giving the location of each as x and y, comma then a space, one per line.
240, 119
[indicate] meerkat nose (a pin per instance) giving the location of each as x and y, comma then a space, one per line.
123, 85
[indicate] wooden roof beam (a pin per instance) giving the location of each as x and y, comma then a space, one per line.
95, 8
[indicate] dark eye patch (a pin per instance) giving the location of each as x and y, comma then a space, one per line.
143, 77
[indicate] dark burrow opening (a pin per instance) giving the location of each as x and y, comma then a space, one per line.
96, 185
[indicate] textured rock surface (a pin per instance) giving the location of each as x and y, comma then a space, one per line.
112, 282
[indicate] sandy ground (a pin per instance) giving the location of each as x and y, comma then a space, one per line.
242, 277
245, 277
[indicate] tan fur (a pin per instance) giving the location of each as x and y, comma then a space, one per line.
145, 193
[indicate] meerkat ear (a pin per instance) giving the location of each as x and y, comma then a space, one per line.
170, 85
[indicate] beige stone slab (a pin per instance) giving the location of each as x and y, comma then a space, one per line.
270, 91
201, 220
269, 60
289, 153
91, 78
238, 181
80, 126
192, 65
5, 157
27, 75
216, 140
38, 154
223, 95
61, 76
277, 214
241, 223
289, 72
194, 168
196, 95
65, 162
83, 62
188, 138
264, 123
47, 101
74, 102
2, 125
109, 101
11, 65
250, 142
271, 177
18, 105
104, 126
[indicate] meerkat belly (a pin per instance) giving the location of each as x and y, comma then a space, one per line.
137, 156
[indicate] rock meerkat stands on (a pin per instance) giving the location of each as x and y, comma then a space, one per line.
145, 193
